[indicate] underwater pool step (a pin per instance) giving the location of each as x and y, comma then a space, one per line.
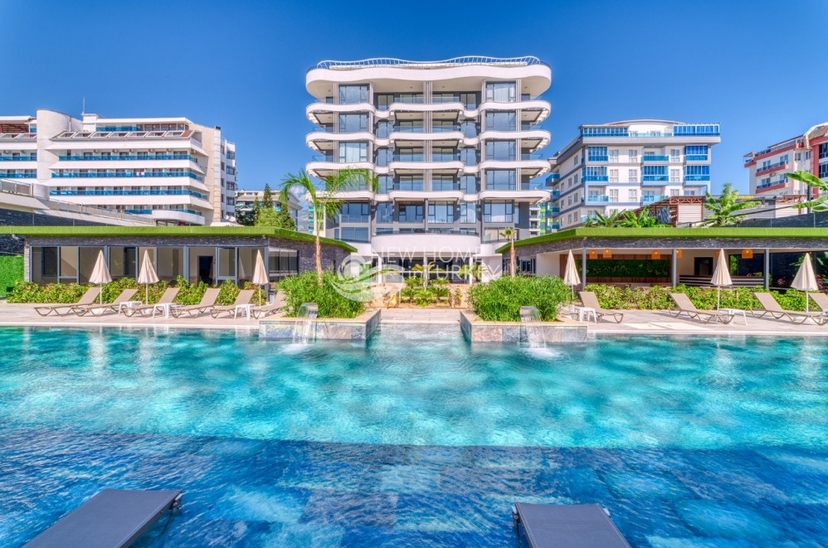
111, 519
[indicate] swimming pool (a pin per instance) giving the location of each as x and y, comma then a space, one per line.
687, 441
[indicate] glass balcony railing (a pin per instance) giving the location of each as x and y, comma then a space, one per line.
444, 129
126, 174
770, 167
597, 199
31, 158
689, 178
651, 199
407, 158
555, 193
696, 158
553, 226
13, 175
75, 158
143, 211
655, 158
597, 158
408, 129
653, 178
595, 178
127, 192
445, 158
780, 182
553, 209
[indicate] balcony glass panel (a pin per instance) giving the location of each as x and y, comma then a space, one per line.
443, 182
501, 150
468, 212
501, 179
501, 121
353, 152
441, 212
410, 213
409, 155
501, 92
355, 212
499, 212
352, 95
352, 123
409, 182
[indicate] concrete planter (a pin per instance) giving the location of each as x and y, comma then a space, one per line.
476, 330
356, 329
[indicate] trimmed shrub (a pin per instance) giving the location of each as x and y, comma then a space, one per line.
11, 272
500, 300
305, 289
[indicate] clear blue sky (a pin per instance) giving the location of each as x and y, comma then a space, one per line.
756, 66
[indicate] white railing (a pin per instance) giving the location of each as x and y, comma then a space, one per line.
453, 62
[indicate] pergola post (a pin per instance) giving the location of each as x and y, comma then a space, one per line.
674, 270
583, 269
766, 269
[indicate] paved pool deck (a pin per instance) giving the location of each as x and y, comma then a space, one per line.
636, 322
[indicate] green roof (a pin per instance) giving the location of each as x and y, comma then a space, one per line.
170, 231
670, 232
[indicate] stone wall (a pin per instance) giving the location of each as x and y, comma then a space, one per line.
808, 220
10, 217
357, 329
478, 331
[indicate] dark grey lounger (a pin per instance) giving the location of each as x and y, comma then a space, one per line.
111, 519
567, 526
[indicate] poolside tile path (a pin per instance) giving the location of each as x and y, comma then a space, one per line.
242, 492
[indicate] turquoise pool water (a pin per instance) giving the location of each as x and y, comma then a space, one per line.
688, 441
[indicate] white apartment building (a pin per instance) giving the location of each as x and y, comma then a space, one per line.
246, 199
769, 167
623, 165
171, 170
453, 143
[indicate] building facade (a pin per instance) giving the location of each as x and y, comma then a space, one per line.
769, 167
246, 199
453, 143
542, 218
623, 165
171, 170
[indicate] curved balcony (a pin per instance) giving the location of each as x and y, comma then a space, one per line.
538, 108
530, 196
349, 196
184, 216
432, 243
534, 168
422, 195
321, 168
534, 138
398, 166
323, 140
447, 136
322, 113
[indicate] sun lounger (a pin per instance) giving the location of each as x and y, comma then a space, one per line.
589, 300
686, 307
165, 301
771, 307
277, 305
111, 519
99, 309
242, 300
567, 526
208, 300
821, 299
65, 309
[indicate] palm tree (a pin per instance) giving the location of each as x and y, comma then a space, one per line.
510, 233
818, 203
642, 220
724, 208
326, 202
597, 219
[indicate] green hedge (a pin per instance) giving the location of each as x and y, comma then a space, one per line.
500, 300
30, 292
658, 298
11, 271
304, 288
628, 268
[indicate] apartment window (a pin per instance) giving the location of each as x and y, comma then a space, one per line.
500, 179
613, 175
386, 183
613, 195
442, 182
633, 155
354, 212
501, 121
410, 182
695, 150
499, 212
351, 95
410, 213
470, 100
675, 175
823, 151
442, 126
354, 234
351, 123
383, 156
576, 179
468, 156
409, 126
500, 92
443, 154
597, 154
468, 184
595, 173
654, 173
353, 152
468, 212
500, 150
414, 154
632, 195
674, 192
613, 155
383, 100
441, 212
385, 212
675, 155
469, 128
696, 173
823, 171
